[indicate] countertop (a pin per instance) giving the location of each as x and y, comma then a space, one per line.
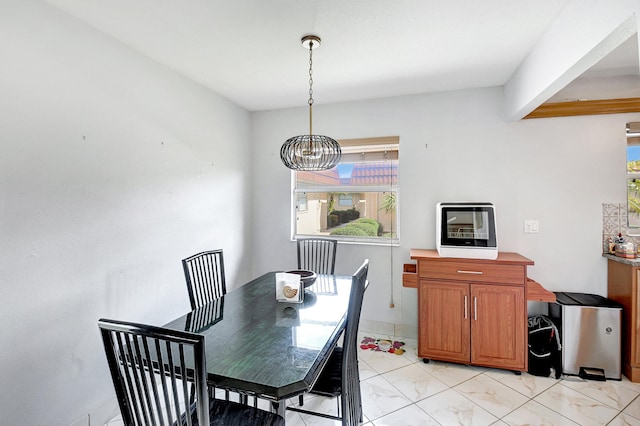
632, 262
505, 258
535, 291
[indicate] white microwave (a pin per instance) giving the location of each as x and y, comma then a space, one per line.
466, 230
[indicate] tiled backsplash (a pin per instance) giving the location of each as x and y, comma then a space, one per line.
614, 222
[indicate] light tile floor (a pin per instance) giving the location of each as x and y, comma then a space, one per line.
402, 390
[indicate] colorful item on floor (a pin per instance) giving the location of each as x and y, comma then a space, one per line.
382, 345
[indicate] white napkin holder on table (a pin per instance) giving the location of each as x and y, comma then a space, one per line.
289, 288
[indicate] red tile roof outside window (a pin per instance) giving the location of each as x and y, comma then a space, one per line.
360, 174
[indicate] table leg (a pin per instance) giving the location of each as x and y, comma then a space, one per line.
280, 408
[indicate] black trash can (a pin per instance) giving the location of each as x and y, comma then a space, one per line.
544, 347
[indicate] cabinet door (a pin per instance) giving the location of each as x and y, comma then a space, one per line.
498, 325
443, 321
632, 321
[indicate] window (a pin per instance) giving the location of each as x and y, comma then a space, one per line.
302, 202
633, 175
345, 200
356, 200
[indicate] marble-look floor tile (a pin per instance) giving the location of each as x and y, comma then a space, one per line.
365, 370
491, 395
533, 413
527, 384
319, 404
382, 362
106, 411
402, 390
576, 406
294, 419
451, 408
610, 392
116, 421
407, 416
629, 384
450, 373
624, 420
633, 409
379, 398
410, 349
414, 382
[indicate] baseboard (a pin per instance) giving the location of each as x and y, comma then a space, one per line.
82, 421
99, 416
388, 329
408, 331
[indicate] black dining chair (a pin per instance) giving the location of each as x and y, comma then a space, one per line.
151, 368
317, 255
340, 376
204, 273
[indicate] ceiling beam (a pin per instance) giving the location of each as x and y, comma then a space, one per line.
592, 107
582, 34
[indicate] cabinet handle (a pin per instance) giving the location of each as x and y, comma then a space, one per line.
475, 308
470, 272
466, 314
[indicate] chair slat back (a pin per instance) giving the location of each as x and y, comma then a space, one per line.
151, 368
317, 255
206, 316
204, 274
351, 399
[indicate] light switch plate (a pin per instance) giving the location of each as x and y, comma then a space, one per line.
531, 227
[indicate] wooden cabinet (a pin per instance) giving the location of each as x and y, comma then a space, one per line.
443, 321
498, 326
622, 286
473, 311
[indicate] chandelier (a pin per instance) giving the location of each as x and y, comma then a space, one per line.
310, 152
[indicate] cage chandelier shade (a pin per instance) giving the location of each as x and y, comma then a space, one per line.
310, 152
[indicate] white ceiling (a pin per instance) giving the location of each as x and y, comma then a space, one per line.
249, 50
615, 76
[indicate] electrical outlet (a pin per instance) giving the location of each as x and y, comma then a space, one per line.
531, 227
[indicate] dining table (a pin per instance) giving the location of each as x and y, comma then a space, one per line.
274, 350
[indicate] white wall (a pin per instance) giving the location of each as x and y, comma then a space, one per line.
455, 146
112, 169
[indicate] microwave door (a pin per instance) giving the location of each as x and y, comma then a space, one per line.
460, 225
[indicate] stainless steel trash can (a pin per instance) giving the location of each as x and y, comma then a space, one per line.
590, 334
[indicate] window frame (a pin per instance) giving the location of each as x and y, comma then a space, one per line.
633, 175
374, 145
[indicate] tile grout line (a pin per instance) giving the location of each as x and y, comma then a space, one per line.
530, 399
